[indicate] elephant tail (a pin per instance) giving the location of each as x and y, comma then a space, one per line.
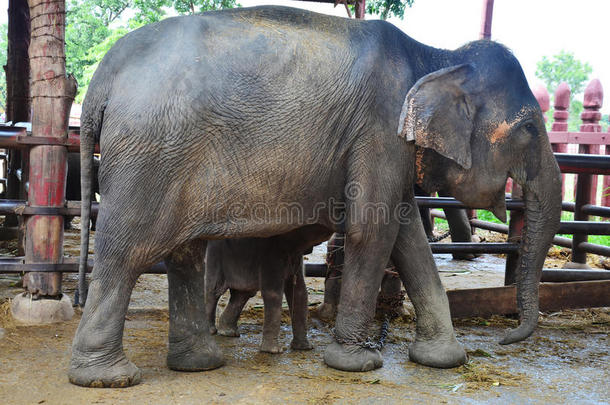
91, 126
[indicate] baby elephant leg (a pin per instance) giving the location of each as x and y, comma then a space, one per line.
272, 285
227, 324
296, 295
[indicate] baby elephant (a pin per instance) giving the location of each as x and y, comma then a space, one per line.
271, 265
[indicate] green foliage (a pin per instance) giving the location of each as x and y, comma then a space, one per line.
564, 67
3, 52
93, 26
388, 8
95, 54
197, 6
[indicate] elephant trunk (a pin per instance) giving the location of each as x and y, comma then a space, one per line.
542, 197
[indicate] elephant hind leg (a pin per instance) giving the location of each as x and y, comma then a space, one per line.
98, 359
227, 324
191, 347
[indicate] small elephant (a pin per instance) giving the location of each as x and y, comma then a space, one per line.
272, 265
285, 119
73, 184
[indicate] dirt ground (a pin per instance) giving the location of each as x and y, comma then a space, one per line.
565, 361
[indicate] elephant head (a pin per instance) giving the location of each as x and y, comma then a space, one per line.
475, 124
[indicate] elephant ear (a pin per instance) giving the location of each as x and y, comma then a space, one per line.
438, 114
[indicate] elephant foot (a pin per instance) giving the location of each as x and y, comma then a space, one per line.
197, 354
464, 256
352, 357
301, 344
231, 331
271, 347
326, 312
118, 373
213, 330
438, 353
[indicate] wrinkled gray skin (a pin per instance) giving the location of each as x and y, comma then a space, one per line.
73, 184
268, 106
273, 266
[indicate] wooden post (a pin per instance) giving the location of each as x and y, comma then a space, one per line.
360, 9
593, 100
52, 95
18, 108
486, 18
560, 123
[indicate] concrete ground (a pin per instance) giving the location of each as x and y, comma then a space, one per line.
565, 361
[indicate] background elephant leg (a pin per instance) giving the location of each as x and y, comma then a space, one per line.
98, 359
459, 227
272, 286
435, 344
212, 296
296, 296
332, 289
227, 324
191, 347
391, 297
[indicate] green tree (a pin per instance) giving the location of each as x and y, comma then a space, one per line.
93, 26
198, 6
388, 8
564, 67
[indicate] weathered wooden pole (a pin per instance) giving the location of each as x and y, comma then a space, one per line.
560, 123
52, 93
17, 70
360, 9
593, 101
486, 18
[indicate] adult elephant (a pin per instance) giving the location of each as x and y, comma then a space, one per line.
282, 119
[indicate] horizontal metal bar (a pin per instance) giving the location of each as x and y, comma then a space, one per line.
468, 247
448, 202
595, 249
566, 275
586, 227
19, 207
583, 163
568, 206
489, 226
596, 210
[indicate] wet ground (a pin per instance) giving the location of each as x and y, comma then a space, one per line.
565, 361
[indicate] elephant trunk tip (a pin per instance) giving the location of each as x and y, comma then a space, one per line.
520, 333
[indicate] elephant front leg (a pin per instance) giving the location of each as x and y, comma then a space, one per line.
435, 343
191, 347
365, 259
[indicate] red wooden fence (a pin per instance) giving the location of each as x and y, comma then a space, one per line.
590, 139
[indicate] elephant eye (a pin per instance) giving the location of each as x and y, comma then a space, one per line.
529, 127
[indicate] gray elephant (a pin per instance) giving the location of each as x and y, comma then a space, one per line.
272, 265
285, 119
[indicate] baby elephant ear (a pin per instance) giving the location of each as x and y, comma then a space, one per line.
438, 114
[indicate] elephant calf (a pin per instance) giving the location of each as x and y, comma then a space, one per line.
245, 266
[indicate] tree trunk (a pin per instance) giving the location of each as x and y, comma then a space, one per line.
52, 95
